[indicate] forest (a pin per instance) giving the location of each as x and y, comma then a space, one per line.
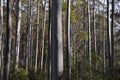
59, 39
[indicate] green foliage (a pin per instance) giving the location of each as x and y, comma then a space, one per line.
83, 35
41, 75
73, 16
64, 6
113, 74
21, 74
81, 68
31, 73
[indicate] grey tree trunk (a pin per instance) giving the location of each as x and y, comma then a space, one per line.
104, 42
43, 36
49, 41
110, 33
29, 34
17, 40
1, 25
2, 60
95, 49
56, 40
36, 57
8, 42
110, 37
31, 47
68, 42
89, 38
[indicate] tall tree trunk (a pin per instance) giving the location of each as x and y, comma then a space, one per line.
56, 40
68, 42
49, 41
85, 41
110, 36
31, 46
36, 57
43, 35
104, 42
2, 61
95, 49
94, 28
17, 40
29, 34
8, 42
111, 55
1, 54
94, 32
110, 33
89, 38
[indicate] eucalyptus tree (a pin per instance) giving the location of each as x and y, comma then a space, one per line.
8, 42
49, 41
17, 38
94, 27
1, 25
89, 38
110, 37
43, 34
56, 40
36, 55
104, 44
110, 33
68, 41
28, 34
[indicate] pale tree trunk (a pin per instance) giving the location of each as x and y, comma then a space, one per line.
111, 56
110, 36
8, 42
56, 40
49, 42
1, 25
36, 56
43, 35
89, 39
17, 41
110, 33
68, 42
94, 26
94, 32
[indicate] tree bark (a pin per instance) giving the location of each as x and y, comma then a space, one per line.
17, 40
49, 41
95, 48
29, 34
1, 26
68, 42
8, 42
104, 44
110, 33
89, 38
43, 36
56, 40
36, 57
